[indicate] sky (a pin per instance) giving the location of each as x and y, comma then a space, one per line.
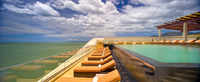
82, 20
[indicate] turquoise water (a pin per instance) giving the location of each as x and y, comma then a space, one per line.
166, 53
16, 53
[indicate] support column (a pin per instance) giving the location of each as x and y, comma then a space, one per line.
159, 34
185, 31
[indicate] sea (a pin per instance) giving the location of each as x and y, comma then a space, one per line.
17, 53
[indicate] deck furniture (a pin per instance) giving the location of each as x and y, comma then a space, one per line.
99, 57
120, 42
138, 42
112, 76
197, 42
154, 42
129, 42
146, 42
95, 63
90, 71
161, 42
100, 54
187, 42
174, 42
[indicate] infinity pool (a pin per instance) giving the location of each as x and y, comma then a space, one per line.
167, 53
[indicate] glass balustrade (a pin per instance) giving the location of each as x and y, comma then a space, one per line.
41, 69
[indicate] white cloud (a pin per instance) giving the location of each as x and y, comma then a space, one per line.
85, 6
115, 1
135, 2
102, 19
14, 1
18, 10
37, 9
155, 2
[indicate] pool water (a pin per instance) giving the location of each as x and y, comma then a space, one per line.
167, 53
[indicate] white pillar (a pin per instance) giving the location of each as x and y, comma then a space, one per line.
185, 31
159, 34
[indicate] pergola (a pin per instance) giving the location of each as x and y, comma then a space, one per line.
184, 24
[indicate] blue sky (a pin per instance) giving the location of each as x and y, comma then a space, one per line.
82, 20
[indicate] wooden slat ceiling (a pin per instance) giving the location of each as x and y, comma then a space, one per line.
193, 23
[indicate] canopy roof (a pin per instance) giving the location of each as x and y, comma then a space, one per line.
193, 23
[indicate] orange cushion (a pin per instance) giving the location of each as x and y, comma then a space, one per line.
94, 68
100, 54
87, 69
113, 76
97, 62
73, 79
99, 57
108, 65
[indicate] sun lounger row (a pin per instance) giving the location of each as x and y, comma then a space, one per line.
99, 70
189, 42
91, 67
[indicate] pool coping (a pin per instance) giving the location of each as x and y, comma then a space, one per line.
157, 63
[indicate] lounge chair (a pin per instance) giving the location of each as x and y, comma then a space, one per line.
154, 42
197, 42
181, 41
95, 63
190, 42
161, 42
187, 42
146, 42
100, 54
100, 42
129, 42
120, 42
174, 42
115, 43
99, 57
167, 41
90, 71
138, 42
112, 76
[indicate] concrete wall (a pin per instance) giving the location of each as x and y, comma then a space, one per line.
142, 39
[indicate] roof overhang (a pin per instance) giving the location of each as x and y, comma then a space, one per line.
192, 20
